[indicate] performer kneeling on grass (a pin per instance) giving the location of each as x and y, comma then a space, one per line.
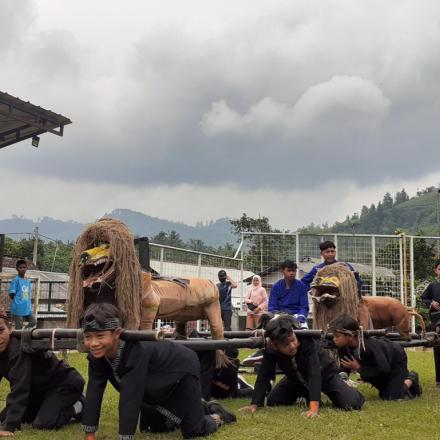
44, 390
308, 369
380, 362
158, 379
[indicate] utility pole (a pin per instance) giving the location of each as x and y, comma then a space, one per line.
35, 253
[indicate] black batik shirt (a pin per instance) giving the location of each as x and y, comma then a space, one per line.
30, 376
143, 372
310, 366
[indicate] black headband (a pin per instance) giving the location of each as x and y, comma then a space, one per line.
95, 326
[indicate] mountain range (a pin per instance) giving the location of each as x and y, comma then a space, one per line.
214, 233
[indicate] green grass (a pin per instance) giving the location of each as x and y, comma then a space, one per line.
412, 420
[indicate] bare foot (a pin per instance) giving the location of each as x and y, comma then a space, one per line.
217, 419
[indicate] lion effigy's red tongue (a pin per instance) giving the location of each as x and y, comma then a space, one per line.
89, 282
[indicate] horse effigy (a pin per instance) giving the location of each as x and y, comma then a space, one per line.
105, 268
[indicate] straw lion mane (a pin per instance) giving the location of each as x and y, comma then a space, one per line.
335, 293
121, 282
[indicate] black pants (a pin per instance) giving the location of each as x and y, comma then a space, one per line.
18, 321
183, 406
392, 386
207, 370
226, 318
435, 321
286, 392
55, 408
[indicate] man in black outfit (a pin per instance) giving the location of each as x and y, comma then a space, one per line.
160, 380
379, 361
308, 369
225, 287
431, 297
44, 390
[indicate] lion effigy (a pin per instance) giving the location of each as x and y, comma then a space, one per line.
105, 268
335, 293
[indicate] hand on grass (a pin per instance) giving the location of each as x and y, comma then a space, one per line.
310, 414
313, 411
351, 363
6, 433
250, 409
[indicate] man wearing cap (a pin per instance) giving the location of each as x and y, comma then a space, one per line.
225, 287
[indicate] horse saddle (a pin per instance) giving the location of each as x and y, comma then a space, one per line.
182, 282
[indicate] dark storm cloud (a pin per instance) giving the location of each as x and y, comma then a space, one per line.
298, 97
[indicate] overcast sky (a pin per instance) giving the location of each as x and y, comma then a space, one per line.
194, 110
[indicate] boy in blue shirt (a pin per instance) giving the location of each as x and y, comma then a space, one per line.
328, 253
289, 295
20, 293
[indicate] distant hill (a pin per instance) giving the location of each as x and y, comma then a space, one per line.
214, 233
413, 215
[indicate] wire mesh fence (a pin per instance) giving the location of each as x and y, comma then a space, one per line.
383, 261
394, 265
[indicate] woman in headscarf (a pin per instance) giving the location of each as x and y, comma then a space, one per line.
256, 302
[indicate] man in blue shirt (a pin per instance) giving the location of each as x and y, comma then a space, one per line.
20, 294
328, 253
289, 294
225, 287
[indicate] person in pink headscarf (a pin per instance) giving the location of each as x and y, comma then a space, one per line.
256, 301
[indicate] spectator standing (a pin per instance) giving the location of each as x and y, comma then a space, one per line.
225, 286
20, 294
256, 302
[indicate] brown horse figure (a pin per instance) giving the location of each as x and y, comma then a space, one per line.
105, 268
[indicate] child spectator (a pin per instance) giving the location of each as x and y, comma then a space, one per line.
20, 294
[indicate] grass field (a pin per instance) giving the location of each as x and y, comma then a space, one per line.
417, 419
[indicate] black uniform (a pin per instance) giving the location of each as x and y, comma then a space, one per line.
432, 293
307, 374
384, 365
152, 378
43, 389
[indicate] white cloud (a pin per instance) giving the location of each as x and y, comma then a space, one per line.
343, 102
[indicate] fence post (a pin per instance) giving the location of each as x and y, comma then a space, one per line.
335, 240
297, 248
241, 276
199, 268
412, 282
373, 266
49, 298
402, 294
161, 261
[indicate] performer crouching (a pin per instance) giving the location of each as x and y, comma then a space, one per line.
160, 380
380, 362
44, 390
308, 369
